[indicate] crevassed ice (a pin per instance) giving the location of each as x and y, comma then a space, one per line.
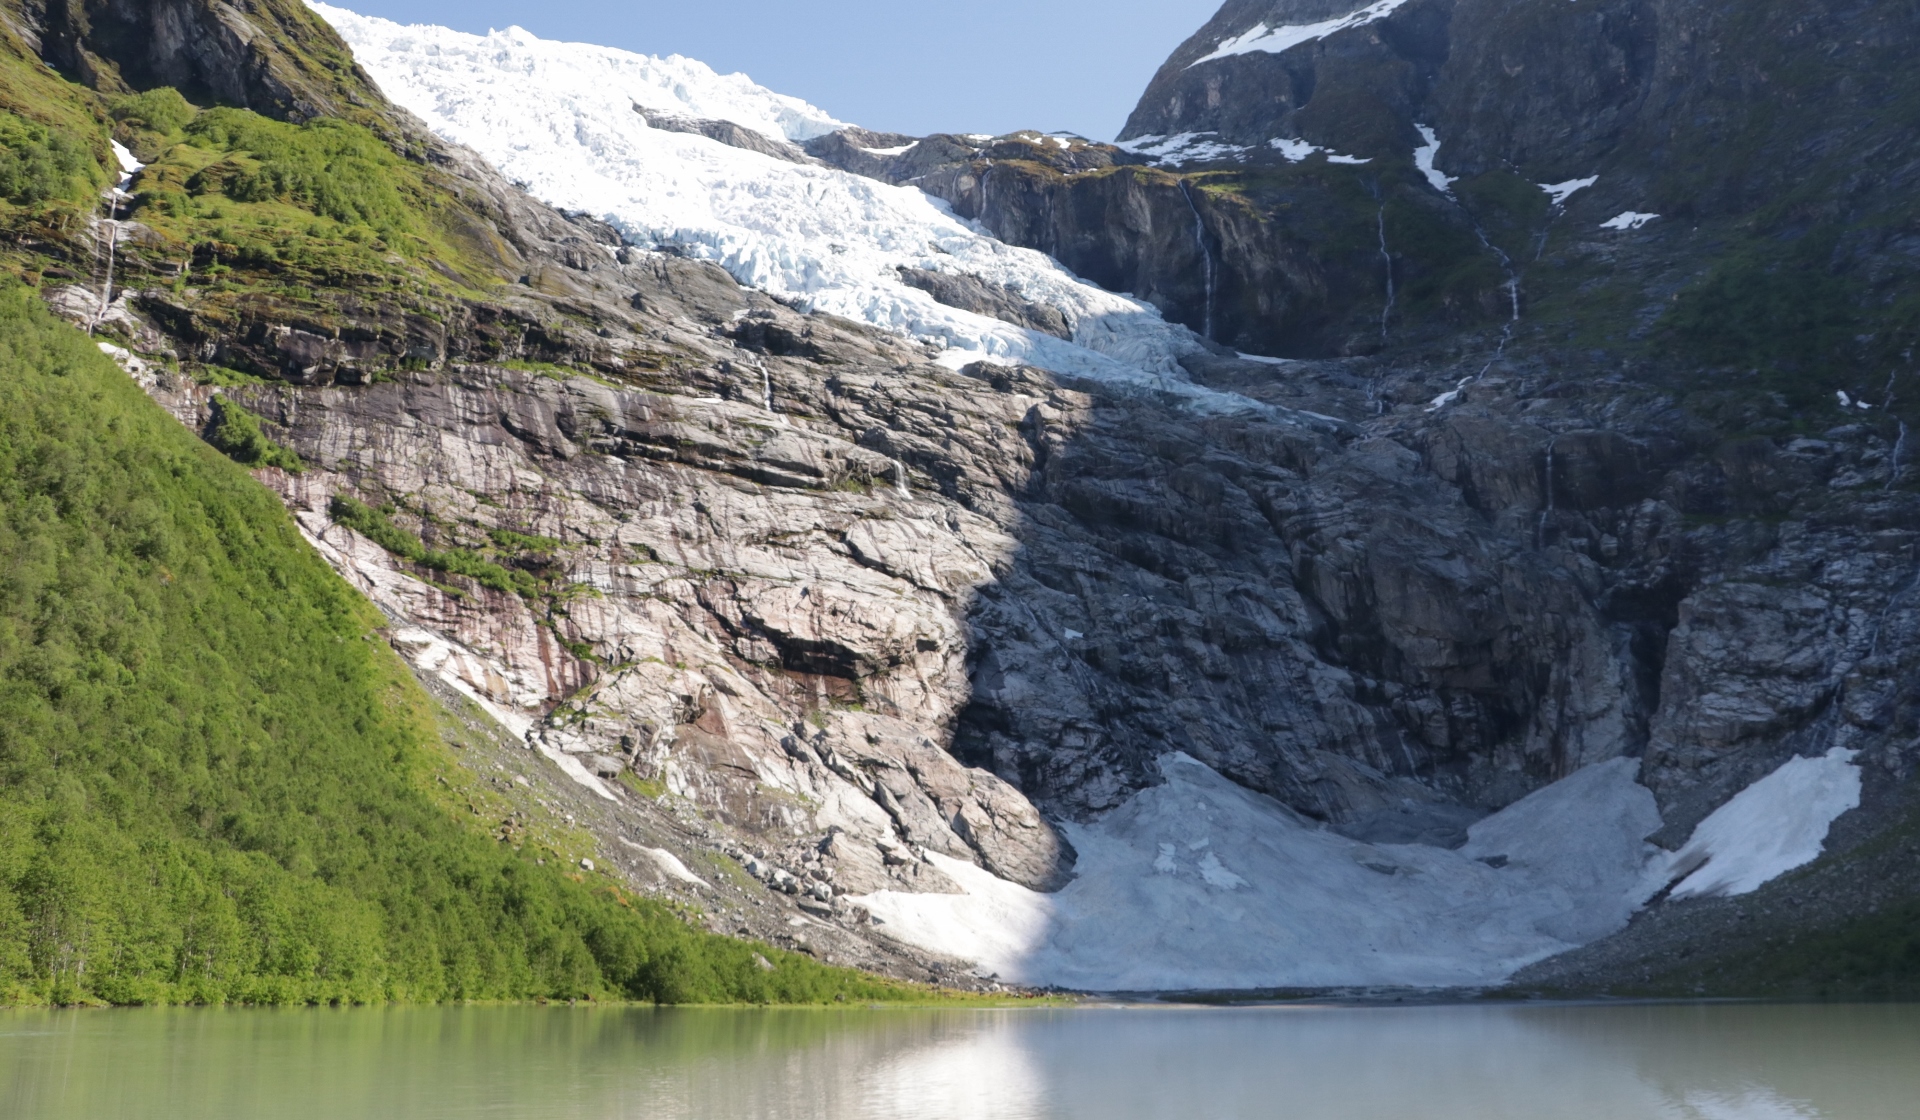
1269, 39
560, 118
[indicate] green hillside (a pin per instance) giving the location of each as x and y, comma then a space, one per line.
214, 774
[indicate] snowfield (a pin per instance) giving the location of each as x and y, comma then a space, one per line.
1201, 883
563, 119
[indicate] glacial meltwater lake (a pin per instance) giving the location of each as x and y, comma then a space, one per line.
1580, 1062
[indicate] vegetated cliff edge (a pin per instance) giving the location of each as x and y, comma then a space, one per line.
659, 521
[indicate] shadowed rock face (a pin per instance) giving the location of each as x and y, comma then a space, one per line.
275, 57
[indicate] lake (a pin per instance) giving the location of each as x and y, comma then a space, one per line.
1542, 1062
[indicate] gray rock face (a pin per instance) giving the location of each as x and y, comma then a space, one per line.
984, 297
728, 133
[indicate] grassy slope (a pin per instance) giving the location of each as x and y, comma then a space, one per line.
213, 772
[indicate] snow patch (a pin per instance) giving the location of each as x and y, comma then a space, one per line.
1187, 147
1270, 39
899, 151
1295, 151
1201, 883
1560, 192
1423, 159
129, 166
1773, 826
1632, 219
1262, 359
559, 117
668, 863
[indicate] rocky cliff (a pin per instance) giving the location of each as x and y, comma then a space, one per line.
780, 586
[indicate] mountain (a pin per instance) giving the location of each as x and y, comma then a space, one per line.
221, 784
1291, 547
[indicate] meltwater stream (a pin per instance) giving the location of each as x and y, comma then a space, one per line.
1674, 1062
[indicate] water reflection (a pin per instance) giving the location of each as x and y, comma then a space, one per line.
1711, 1062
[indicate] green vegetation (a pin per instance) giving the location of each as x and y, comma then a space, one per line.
38, 164
376, 525
214, 776
236, 432
158, 112
334, 169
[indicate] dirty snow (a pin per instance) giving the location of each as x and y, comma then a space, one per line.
1773, 826
1632, 219
1200, 883
1560, 192
1423, 157
560, 117
1269, 39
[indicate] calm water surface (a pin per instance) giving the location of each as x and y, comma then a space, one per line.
1714, 1062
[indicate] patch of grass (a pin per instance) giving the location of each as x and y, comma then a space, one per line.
215, 778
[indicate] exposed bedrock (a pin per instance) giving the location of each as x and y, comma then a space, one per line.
922, 608
784, 586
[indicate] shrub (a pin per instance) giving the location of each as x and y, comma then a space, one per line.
38, 164
236, 432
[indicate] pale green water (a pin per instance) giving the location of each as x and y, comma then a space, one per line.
1715, 1062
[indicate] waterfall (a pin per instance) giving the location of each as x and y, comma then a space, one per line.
766, 388
1893, 468
1506, 332
1386, 313
1540, 531
900, 479
1206, 255
129, 167
112, 226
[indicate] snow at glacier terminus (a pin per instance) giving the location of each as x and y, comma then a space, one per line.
1194, 883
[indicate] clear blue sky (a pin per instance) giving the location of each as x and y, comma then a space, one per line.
890, 65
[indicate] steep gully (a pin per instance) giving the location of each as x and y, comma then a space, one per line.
849, 685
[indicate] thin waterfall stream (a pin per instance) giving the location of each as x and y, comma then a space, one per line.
1540, 531
1206, 255
1386, 313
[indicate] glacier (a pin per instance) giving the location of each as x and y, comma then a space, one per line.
564, 120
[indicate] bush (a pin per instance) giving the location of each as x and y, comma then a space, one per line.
38, 164
236, 432
160, 110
